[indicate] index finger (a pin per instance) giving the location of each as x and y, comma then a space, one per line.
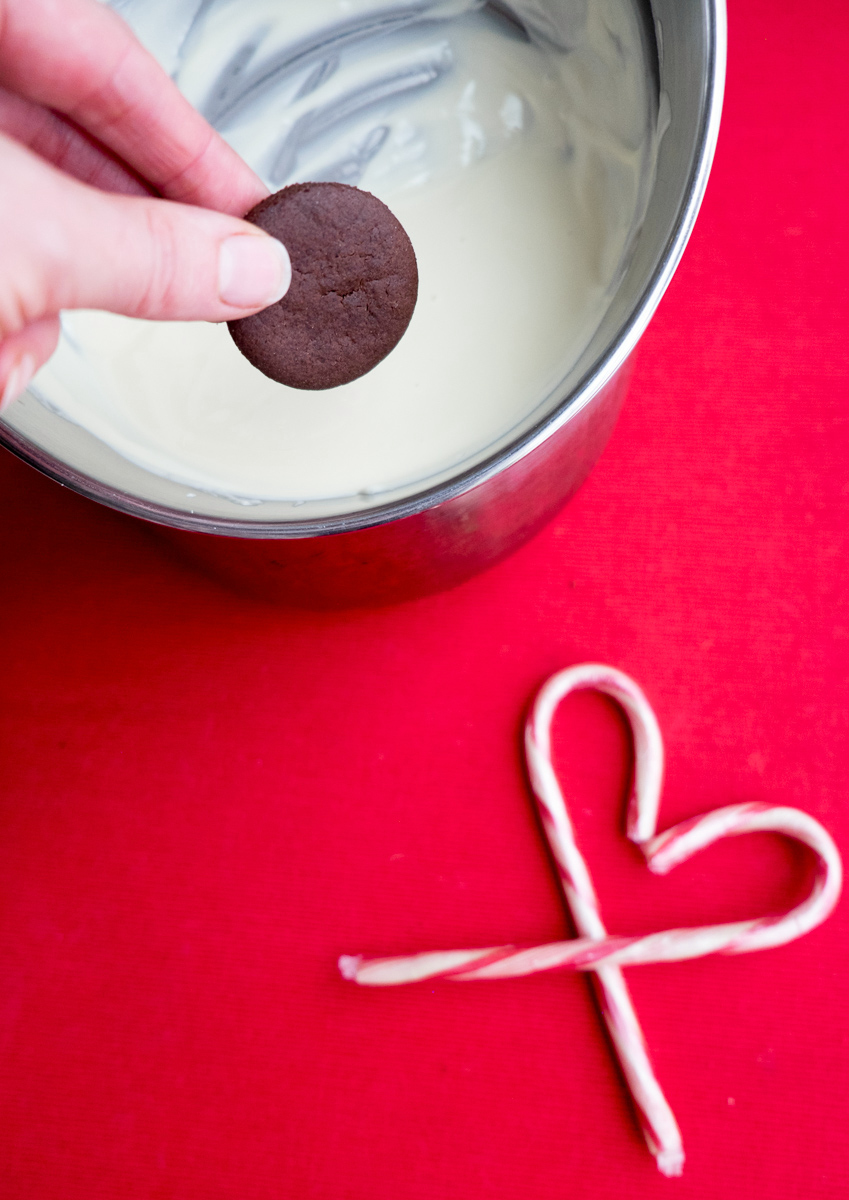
79, 57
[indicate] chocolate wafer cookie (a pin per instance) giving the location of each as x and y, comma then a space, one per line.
353, 291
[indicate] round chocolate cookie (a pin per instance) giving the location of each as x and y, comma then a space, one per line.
353, 291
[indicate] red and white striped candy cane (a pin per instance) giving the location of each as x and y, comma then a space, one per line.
657, 1120
594, 950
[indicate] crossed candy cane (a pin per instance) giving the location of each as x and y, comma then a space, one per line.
594, 949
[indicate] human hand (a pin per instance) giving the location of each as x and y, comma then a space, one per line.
115, 192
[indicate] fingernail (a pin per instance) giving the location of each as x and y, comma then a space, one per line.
20, 375
253, 271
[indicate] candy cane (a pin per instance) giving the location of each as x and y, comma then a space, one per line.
657, 1121
594, 950
674, 846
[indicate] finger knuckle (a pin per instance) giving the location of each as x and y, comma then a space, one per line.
159, 284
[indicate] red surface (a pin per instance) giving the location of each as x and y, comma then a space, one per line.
204, 801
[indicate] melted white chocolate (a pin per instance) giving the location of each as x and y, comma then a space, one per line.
520, 171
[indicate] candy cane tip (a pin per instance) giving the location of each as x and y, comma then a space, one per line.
349, 965
670, 1162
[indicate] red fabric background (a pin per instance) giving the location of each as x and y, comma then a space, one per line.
204, 801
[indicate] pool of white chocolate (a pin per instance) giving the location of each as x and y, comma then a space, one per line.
520, 168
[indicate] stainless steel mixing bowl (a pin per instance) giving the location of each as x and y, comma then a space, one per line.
391, 547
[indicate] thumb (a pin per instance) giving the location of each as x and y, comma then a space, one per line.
66, 245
